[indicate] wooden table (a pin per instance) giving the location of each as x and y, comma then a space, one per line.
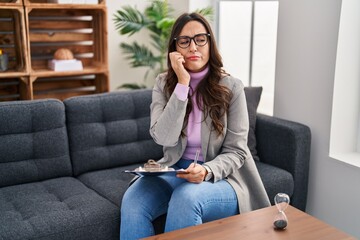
258, 225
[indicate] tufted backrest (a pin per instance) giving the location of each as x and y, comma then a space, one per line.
33, 141
109, 130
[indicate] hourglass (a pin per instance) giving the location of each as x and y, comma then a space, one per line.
282, 200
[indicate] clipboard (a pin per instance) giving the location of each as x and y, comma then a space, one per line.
142, 172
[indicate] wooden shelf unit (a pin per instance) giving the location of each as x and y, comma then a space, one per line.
39, 29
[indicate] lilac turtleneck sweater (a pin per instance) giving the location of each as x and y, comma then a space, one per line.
194, 123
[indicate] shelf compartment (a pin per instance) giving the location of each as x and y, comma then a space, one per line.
62, 87
11, 3
48, 4
83, 31
12, 39
12, 89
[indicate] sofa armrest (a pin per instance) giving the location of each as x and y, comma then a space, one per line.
286, 145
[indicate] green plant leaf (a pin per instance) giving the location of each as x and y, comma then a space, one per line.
158, 10
207, 12
158, 42
139, 56
129, 20
165, 24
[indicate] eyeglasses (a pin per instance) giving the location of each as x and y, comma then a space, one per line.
199, 39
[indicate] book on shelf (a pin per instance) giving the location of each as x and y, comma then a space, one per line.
65, 65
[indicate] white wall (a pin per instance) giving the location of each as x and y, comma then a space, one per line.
305, 71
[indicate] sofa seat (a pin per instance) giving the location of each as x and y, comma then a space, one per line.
109, 183
61, 208
276, 180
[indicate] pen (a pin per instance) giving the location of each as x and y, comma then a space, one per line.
196, 157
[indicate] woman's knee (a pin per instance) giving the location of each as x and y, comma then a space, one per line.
198, 197
146, 194
187, 196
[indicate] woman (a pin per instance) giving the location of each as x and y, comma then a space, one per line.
197, 112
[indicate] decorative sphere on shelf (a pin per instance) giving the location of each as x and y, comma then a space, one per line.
63, 54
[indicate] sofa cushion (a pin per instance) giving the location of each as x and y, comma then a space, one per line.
60, 208
33, 142
112, 184
252, 95
110, 130
276, 180
109, 183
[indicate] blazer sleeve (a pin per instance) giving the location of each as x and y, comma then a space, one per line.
167, 116
234, 150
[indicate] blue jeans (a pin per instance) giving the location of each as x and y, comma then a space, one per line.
186, 204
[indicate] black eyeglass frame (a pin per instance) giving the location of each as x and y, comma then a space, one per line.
208, 35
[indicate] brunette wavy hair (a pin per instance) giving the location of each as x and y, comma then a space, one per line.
214, 97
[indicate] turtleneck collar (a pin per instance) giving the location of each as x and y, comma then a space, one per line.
196, 77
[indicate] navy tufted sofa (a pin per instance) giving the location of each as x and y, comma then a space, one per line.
62, 163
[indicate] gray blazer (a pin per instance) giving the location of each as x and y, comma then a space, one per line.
228, 156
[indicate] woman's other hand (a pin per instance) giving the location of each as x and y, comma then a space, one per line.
195, 173
177, 63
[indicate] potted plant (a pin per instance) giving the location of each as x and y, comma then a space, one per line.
158, 19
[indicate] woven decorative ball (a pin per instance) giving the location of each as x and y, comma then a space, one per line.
63, 54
